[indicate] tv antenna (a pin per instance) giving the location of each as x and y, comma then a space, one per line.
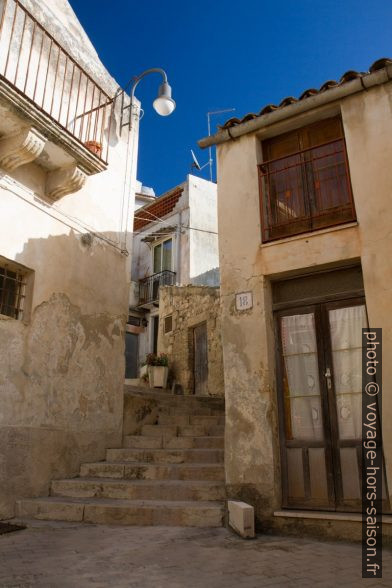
196, 164
209, 114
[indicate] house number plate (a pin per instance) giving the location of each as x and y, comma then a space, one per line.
244, 301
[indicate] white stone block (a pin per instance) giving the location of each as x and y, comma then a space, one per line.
241, 518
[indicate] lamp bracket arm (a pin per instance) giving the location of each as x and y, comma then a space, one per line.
137, 79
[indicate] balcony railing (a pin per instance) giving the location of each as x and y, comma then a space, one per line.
305, 191
34, 63
149, 287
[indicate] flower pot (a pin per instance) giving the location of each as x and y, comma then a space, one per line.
95, 147
157, 376
143, 371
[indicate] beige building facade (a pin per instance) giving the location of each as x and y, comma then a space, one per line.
66, 216
305, 223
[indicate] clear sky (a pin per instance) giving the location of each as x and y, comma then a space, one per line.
225, 54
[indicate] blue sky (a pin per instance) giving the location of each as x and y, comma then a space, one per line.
229, 54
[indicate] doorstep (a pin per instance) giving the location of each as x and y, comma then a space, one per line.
327, 515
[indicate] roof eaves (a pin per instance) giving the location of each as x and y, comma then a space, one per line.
348, 76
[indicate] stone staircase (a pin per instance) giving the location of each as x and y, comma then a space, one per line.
170, 473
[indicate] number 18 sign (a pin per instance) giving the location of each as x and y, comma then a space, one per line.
244, 301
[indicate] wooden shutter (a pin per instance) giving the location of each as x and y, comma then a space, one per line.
312, 135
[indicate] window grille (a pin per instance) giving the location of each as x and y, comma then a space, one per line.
12, 292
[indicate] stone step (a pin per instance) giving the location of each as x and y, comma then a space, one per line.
179, 410
201, 430
139, 489
153, 471
124, 512
193, 431
216, 430
207, 442
174, 419
169, 431
144, 442
166, 455
207, 420
160, 430
190, 419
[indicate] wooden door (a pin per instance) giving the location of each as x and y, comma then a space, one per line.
131, 355
200, 359
319, 368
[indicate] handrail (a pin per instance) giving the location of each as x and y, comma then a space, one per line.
36, 64
149, 286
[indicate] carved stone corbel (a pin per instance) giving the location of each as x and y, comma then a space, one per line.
64, 181
21, 148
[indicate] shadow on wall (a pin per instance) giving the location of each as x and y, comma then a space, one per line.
62, 367
210, 278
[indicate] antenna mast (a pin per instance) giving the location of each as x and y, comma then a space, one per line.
209, 114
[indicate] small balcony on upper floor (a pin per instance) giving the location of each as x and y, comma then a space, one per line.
51, 111
149, 288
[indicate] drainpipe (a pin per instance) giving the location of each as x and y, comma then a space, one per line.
332, 95
178, 268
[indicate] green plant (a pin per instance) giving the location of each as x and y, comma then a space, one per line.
154, 359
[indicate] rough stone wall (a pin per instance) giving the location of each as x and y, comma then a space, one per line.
190, 306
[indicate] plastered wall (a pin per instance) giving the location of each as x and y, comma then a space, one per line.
251, 437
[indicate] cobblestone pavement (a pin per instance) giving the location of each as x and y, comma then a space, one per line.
72, 555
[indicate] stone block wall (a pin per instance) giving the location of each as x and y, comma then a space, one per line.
190, 306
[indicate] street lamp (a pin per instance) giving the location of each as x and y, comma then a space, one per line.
163, 103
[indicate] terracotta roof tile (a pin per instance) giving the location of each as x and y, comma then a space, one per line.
267, 109
161, 207
346, 77
287, 101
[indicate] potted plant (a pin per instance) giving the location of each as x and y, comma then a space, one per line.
95, 147
158, 369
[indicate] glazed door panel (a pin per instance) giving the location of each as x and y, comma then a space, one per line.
306, 452
320, 378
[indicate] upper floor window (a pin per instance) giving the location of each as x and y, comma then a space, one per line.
12, 290
162, 256
304, 181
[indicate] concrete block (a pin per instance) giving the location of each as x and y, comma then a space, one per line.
241, 518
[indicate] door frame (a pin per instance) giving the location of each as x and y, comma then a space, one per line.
331, 442
194, 327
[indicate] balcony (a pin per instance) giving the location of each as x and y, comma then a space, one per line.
51, 111
305, 191
149, 287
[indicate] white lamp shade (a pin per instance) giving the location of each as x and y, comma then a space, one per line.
164, 103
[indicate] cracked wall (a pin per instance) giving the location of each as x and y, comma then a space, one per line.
62, 372
62, 366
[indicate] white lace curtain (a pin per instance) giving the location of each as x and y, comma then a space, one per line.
302, 396
346, 326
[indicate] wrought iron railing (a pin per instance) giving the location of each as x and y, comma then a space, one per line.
39, 68
305, 191
149, 287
